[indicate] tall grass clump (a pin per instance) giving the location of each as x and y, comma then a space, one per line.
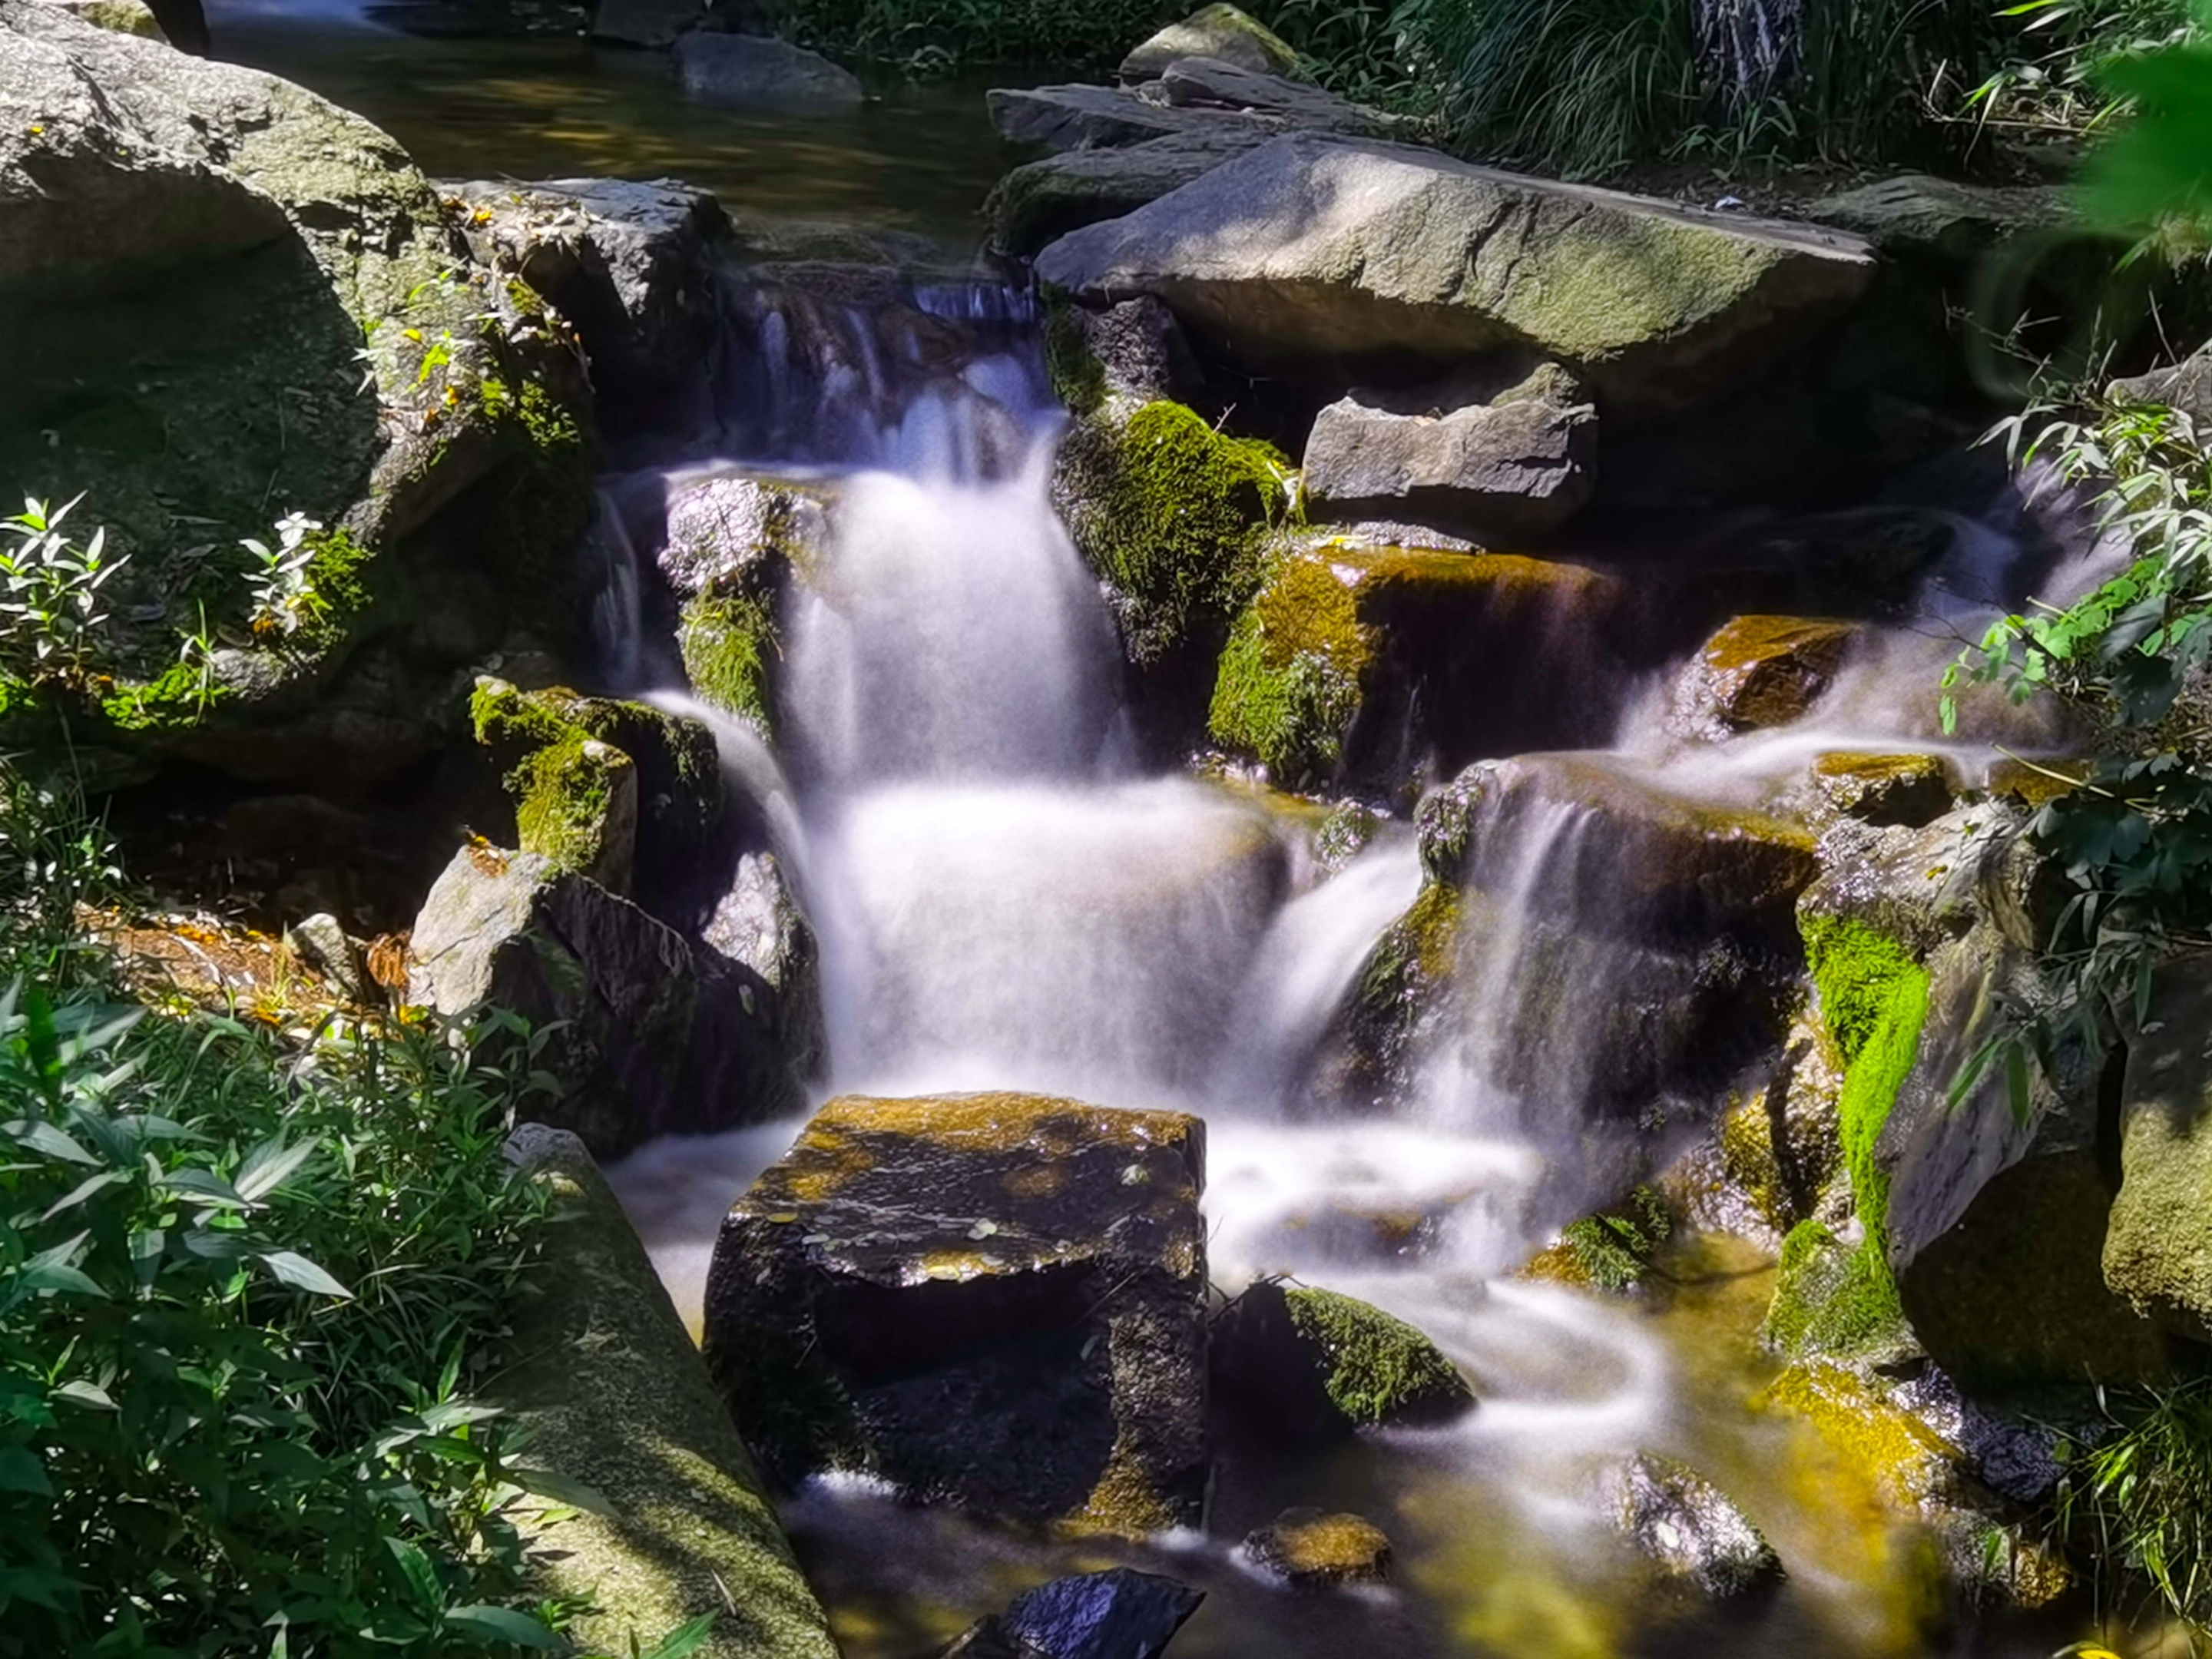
2139, 1502
246, 1283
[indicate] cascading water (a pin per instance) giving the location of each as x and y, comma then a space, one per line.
1003, 902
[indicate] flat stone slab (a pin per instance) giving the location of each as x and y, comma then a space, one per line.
1340, 262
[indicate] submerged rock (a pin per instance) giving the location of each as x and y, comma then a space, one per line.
324, 344
995, 1301
600, 1371
760, 70
1519, 461
1313, 1363
1220, 31
1759, 671
1686, 1527
649, 1042
630, 264
2158, 1250
1354, 662
1310, 1550
1325, 261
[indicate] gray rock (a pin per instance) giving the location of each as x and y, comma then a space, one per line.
996, 1301
1119, 1614
2187, 386
1324, 260
1220, 31
758, 923
630, 264
1209, 84
237, 240
320, 943
646, 22
1080, 117
1043, 200
649, 1043
1915, 214
123, 16
758, 69
2158, 1250
1687, 1527
1517, 462
600, 1370
1139, 350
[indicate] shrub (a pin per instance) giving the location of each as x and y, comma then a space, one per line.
242, 1285
2140, 1499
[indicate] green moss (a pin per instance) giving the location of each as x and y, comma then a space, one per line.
1288, 708
1381, 1369
1175, 516
1078, 378
1855, 971
1613, 1249
1831, 1300
566, 804
503, 716
729, 644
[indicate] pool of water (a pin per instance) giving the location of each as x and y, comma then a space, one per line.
913, 159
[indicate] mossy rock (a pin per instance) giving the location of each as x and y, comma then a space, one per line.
1308, 1549
1611, 1251
601, 785
1885, 789
2158, 1247
600, 1372
1834, 1301
250, 305
1343, 642
1173, 516
1313, 1362
1221, 32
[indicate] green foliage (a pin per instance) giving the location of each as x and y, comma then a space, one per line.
1369, 51
730, 644
2060, 63
52, 611
2134, 839
2140, 1499
240, 1286
936, 37
280, 587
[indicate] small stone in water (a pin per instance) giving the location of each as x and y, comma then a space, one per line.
1310, 1550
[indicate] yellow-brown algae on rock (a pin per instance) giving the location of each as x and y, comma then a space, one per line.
991, 1300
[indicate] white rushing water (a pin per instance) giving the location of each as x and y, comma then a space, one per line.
1002, 902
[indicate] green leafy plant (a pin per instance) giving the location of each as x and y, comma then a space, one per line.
53, 608
2059, 72
2139, 1496
282, 593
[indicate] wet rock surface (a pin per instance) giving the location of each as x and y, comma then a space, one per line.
1312, 1362
994, 1301
1308, 1549
1911, 790
1759, 671
1277, 259
1686, 1527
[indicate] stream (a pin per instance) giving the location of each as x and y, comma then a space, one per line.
1007, 898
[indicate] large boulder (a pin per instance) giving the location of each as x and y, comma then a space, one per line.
1512, 461
1352, 661
758, 70
631, 265
1332, 261
2158, 1250
996, 1301
224, 301
1915, 214
1043, 200
1080, 117
599, 1371
1220, 31
646, 1040
1984, 1218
